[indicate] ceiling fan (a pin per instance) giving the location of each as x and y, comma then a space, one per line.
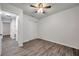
40, 7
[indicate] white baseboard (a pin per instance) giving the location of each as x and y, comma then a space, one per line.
20, 44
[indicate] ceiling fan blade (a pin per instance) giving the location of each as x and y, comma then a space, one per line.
47, 7
32, 6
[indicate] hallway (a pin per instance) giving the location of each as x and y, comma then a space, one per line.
37, 47
8, 45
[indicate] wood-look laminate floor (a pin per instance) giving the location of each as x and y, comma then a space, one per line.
36, 47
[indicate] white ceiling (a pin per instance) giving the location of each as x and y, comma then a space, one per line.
56, 7
6, 17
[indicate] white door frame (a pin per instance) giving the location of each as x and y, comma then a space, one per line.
17, 18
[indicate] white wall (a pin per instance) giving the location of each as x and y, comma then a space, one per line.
6, 28
0, 31
62, 28
29, 28
0, 22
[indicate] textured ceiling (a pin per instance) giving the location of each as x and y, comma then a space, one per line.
56, 7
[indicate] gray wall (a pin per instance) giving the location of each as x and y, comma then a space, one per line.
62, 27
29, 28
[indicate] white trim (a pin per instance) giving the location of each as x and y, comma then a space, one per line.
20, 44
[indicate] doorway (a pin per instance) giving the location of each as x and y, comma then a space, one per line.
9, 31
6, 29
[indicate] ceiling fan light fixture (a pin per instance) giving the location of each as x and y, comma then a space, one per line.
40, 7
40, 10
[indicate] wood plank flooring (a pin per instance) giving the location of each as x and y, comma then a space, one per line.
36, 47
